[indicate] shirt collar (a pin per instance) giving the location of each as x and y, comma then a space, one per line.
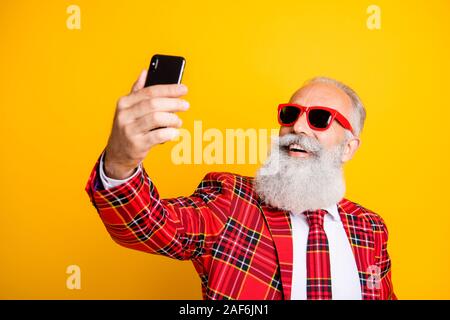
333, 211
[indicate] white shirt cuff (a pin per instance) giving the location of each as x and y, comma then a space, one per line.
108, 182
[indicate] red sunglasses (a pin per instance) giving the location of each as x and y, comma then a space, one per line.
319, 118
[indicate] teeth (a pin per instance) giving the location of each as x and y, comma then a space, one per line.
296, 147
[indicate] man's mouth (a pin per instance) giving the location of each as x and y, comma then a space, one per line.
296, 150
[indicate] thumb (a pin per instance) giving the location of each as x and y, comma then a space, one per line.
140, 82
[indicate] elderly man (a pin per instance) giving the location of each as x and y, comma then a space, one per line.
288, 233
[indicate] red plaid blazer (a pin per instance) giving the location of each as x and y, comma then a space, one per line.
240, 247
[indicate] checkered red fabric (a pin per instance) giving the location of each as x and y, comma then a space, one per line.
241, 247
318, 270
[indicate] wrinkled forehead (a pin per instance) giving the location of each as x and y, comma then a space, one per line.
325, 95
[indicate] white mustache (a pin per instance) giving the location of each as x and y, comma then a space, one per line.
308, 144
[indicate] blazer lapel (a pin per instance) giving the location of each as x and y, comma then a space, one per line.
361, 241
279, 223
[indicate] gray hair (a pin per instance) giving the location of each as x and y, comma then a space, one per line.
358, 115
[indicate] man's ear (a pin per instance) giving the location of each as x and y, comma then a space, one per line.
350, 148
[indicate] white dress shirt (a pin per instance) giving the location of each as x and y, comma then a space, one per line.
344, 272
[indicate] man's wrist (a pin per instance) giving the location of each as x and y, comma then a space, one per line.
118, 172
109, 182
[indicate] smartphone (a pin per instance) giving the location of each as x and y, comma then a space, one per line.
165, 69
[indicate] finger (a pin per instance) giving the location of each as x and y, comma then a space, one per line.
140, 82
130, 100
155, 120
165, 90
147, 106
161, 135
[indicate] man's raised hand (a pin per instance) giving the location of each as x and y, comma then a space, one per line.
144, 118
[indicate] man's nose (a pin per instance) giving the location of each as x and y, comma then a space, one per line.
301, 126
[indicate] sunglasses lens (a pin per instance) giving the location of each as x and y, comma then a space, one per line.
319, 118
289, 114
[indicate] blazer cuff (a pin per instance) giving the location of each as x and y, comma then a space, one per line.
108, 182
118, 195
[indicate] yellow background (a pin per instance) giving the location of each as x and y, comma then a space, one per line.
58, 89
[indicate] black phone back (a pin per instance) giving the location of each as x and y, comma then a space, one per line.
165, 69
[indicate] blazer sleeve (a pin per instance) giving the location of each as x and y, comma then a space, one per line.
384, 262
181, 228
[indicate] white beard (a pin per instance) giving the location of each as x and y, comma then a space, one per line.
299, 184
